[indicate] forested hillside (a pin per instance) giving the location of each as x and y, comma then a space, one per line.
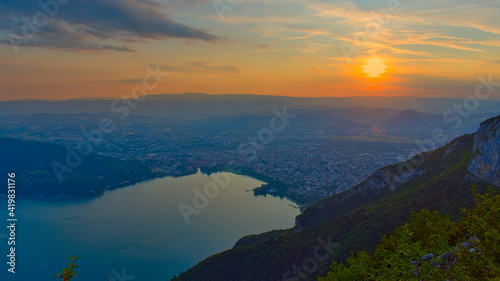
32, 162
433, 247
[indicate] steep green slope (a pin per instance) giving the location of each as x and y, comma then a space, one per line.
432, 247
352, 221
32, 163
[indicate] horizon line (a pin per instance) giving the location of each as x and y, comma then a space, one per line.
229, 94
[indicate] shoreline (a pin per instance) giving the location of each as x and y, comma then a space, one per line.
262, 190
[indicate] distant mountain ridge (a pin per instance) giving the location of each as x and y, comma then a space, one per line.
410, 117
192, 104
358, 218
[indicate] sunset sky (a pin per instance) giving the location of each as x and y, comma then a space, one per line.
99, 48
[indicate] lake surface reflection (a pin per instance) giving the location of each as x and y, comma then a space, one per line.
138, 230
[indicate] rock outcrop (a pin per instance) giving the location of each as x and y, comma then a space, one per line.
485, 165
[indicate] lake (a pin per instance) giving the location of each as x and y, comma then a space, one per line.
139, 230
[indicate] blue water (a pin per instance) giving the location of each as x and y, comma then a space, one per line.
137, 230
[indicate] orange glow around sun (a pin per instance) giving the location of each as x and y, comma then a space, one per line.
374, 67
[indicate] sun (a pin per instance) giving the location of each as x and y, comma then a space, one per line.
374, 67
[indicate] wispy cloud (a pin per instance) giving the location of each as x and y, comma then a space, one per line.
459, 8
201, 67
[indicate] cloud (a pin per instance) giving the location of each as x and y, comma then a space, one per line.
120, 49
91, 24
201, 67
450, 28
460, 7
133, 80
212, 67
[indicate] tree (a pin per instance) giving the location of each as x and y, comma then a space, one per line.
68, 273
431, 247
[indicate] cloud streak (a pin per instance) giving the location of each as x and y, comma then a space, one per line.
93, 24
201, 67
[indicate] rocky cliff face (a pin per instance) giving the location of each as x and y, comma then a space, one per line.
485, 164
